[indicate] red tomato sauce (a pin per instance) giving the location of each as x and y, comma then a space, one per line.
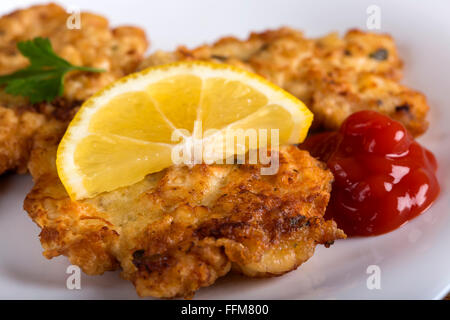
383, 177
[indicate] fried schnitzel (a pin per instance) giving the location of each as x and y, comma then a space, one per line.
333, 76
117, 50
182, 228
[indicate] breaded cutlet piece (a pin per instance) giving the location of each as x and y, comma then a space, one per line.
16, 137
341, 93
182, 228
117, 50
328, 73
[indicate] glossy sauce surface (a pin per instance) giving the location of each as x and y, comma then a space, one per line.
383, 177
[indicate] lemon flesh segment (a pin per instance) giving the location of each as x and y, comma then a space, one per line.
126, 131
131, 162
178, 98
252, 132
225, 102
133, 115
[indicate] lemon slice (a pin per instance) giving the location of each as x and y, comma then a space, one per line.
126, 131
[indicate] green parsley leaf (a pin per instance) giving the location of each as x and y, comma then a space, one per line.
43, 79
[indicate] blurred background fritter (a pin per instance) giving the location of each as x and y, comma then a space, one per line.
333, 76
117, 50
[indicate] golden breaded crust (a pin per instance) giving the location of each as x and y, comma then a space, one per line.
16, 132
117, 50
326, 73
361, 52
19, 124
341, 93
182, 228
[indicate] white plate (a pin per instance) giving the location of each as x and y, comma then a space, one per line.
414, 260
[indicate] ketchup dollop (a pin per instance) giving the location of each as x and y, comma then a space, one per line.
383, 177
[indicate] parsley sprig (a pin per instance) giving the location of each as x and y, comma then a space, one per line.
43, 79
